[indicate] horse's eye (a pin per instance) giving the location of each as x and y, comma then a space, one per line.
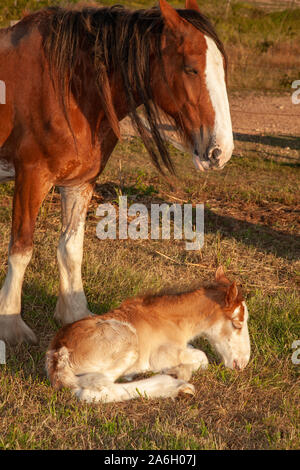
190, 70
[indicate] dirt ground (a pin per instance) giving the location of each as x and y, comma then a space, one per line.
258, 113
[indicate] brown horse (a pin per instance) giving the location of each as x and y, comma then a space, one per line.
70, 76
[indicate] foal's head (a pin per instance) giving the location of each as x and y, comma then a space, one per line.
228, 331
193, 90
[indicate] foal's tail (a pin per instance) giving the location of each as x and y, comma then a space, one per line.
95, 387
59, 370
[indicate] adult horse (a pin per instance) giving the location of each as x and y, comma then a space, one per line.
70, 77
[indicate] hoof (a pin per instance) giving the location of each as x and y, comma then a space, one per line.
13, 330
69, 312
187, 389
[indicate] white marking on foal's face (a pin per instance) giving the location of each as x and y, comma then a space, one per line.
233, 344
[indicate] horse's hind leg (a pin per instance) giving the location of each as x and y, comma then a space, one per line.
30, 190
72, 304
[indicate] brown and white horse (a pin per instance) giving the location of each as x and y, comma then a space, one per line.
150, 334
70, 76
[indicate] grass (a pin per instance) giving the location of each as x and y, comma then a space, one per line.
251, 227
255, 409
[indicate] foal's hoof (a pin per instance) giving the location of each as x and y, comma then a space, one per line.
187, 389
13, 330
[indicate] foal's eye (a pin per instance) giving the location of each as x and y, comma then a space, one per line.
190, 70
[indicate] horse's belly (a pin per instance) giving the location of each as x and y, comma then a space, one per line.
7, 171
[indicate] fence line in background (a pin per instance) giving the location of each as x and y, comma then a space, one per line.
271, 6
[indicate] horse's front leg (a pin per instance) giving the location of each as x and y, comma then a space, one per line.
72, 304
181, 362
30, 190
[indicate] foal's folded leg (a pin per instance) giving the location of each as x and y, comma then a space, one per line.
158, 386
179, 362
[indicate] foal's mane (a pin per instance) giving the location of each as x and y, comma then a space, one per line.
115, 38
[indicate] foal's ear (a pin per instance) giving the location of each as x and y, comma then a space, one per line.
220, 276
237, 317
231, 295
191, 5
173, 20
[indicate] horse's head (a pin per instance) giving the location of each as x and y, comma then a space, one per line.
192, 89
228, 332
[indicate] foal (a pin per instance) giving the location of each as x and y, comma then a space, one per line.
150, 334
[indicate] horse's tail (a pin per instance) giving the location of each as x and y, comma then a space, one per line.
59, 369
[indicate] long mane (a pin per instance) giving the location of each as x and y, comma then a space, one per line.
115, 38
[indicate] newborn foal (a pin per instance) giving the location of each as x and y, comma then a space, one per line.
150, 334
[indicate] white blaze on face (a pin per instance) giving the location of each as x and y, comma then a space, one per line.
239, 342
233, 344
215, 82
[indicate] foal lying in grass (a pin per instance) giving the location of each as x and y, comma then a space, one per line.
150, 334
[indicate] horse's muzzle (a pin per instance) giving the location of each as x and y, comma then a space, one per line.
213, 159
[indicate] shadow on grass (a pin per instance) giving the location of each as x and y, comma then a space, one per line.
266, 239
293, 142
263, 237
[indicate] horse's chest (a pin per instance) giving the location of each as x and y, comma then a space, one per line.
79, 169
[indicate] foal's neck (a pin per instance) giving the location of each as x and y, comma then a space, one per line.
193, 312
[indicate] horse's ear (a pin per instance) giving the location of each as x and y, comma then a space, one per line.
171, 17
191, 5
220, 276
231, 295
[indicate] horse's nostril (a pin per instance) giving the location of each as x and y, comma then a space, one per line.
216, 153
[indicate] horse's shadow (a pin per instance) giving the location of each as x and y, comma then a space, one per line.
263, 237
267, 240
284, 141
293, 142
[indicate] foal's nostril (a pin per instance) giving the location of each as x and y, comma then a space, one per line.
216, 153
